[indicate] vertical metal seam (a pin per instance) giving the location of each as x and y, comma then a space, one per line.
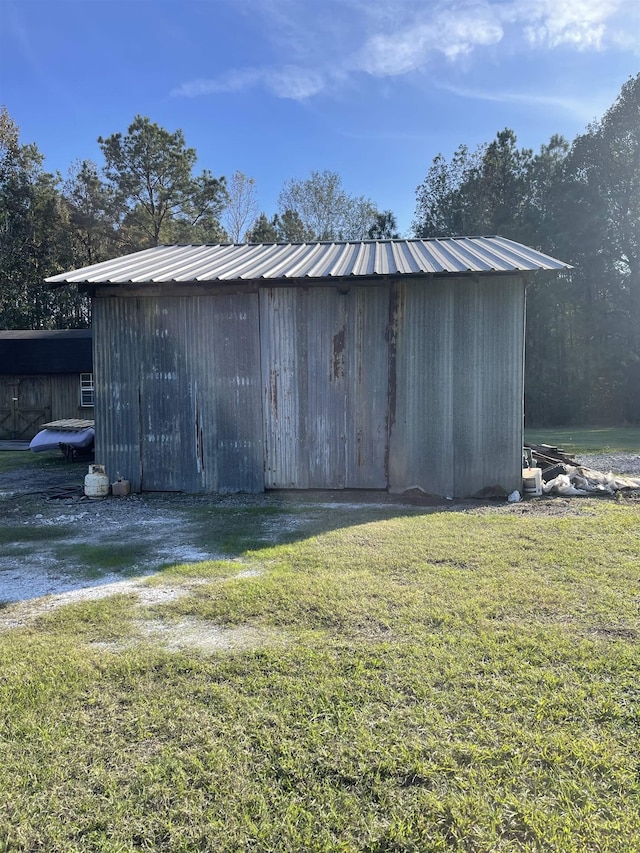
137, 312
392, 338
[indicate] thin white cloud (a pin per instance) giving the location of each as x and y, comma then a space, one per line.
295, 83
582, 109
290, 81
389, 38
233, 81
452, 32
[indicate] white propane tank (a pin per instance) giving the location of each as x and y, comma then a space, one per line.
96, 483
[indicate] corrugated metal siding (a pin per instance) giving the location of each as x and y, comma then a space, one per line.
413, 385
314, 261
457, 425
420, 449
167, 444
325, 369
303, 333
225, 402
488, 402
503, 383
366, 368
178, 403
468, 376
322, 334
116, 372
283, 370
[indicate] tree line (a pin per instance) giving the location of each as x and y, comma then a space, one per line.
578, 201
146, 193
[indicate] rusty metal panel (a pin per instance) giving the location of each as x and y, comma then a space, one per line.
468, 377
488, 401
457, 371
325, 368
282, 370
420, 452
503, 382
303, 342
314, 388
166, 442
116, 379
224, 392
178, 392
367, 375
323, 323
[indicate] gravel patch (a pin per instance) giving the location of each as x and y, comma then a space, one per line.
619, 463
39, 567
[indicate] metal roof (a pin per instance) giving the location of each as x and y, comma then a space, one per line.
314, 261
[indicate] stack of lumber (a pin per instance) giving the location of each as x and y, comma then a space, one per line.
547, 455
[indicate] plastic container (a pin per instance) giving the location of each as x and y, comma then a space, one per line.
96, 482
532, 482
120, 487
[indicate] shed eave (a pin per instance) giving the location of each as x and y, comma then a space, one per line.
305, 281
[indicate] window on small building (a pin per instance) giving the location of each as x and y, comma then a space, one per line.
86, 389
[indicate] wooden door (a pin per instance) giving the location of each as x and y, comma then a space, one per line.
25, 404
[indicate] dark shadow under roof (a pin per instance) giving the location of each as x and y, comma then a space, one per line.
25, 352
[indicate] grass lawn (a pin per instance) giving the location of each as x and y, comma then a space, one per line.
588, 439
409, 681
49, 459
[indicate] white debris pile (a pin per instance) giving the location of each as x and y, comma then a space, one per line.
579, 480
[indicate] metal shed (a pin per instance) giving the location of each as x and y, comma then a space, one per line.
391, 365
45, 374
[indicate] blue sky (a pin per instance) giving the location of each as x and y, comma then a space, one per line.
371, 89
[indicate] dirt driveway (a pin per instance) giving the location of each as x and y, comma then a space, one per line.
54, 540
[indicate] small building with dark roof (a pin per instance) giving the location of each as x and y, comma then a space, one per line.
392, 365
45, 375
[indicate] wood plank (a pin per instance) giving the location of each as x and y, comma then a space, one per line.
69, 424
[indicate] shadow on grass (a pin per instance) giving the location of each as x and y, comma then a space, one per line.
284, 519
